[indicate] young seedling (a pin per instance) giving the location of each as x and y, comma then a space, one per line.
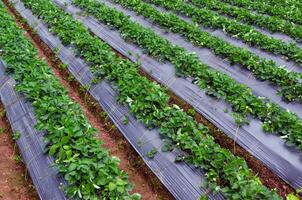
126, 120
152, 153
167, 146
240, 119
2, 130
16, 135
191, 112
18, 158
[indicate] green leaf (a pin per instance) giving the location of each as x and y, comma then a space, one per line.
111, 186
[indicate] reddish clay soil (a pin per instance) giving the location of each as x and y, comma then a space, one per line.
143, 179
14, 182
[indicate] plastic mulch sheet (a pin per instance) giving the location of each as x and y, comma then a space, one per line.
181, 179
31, 145
278, 59
269, 148
241, 75
276, 35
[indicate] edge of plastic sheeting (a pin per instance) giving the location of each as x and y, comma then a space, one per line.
181, 179
20, 114
269, 148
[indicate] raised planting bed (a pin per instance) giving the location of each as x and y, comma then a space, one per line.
282, 10
183, 180
238, 37
30, 141
270, 23
148, 102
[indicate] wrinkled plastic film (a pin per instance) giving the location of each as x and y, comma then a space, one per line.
276, 35
181, 179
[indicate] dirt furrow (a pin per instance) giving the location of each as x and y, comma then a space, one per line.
14, 180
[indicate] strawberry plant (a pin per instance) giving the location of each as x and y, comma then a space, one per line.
148, 102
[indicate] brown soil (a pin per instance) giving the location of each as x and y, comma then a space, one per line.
140, 175
14, 182
267, 177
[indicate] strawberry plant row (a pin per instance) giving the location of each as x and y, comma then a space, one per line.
149, 104
291, 89
79, 157
271, 23
290, 13
217, 84
246, 33
290, 3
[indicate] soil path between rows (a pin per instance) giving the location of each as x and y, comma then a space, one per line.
14, 181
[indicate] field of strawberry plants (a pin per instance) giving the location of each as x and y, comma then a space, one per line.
155, 69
